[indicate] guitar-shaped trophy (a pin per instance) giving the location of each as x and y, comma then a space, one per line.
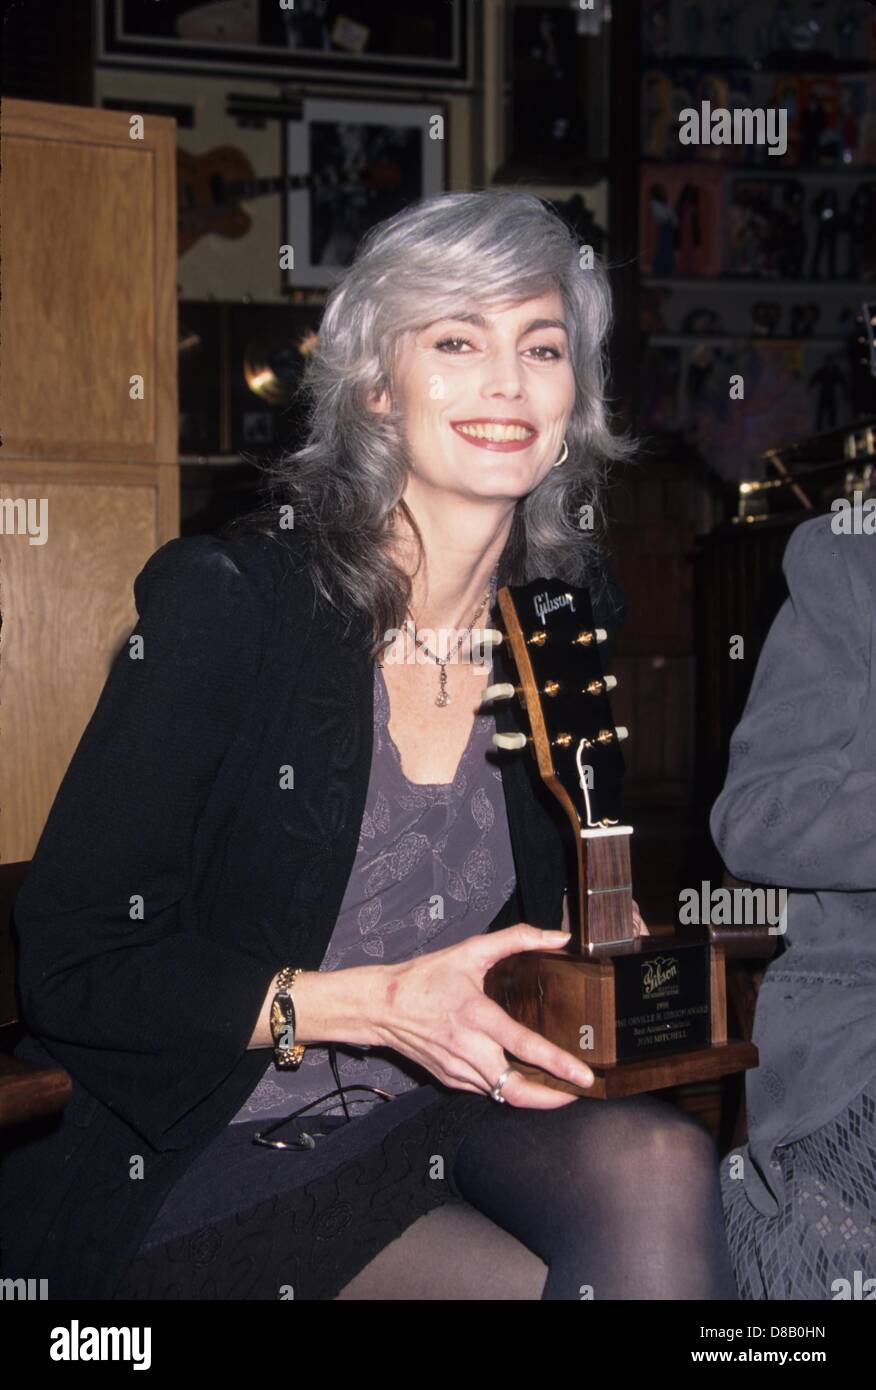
643, 1012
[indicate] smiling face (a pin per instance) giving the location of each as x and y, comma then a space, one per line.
485, 398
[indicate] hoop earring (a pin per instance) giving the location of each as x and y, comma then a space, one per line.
563, 456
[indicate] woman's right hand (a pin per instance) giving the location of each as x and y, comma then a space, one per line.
433, 1009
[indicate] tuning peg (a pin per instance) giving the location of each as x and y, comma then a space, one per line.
499, 692
511, 741
600, 686
621, 732
596, 634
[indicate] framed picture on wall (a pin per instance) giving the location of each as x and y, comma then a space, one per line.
553, 61
355, 41
368, 160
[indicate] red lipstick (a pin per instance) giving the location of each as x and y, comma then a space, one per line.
502, 446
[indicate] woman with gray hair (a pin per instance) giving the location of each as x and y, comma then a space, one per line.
288, 1036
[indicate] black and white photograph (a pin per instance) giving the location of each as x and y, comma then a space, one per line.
557, 76
366, 161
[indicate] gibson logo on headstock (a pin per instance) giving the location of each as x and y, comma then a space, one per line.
545, 604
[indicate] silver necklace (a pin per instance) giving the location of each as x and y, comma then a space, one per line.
442, 698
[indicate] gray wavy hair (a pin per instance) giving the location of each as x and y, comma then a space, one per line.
433, 260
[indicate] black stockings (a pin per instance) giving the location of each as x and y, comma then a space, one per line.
620, 1199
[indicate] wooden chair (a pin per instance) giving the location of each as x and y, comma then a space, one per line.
27, 1092
748, 951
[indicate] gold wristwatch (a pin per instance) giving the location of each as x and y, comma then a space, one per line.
287, 1053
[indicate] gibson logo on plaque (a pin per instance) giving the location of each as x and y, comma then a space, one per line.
662, 1002
657, 974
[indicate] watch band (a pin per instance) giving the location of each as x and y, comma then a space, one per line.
287, 1053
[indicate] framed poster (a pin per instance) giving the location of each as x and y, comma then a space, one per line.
354, 41
367, 160
554, 70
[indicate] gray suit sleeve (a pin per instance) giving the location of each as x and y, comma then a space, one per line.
798, 808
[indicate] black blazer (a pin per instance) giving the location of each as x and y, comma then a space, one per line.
175, 875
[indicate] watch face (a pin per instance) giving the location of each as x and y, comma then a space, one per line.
278, 1019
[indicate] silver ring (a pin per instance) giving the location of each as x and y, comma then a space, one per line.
496, 1093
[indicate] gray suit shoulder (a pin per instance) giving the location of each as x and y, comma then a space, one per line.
828, 551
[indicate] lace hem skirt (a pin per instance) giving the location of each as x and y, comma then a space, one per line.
826, 1230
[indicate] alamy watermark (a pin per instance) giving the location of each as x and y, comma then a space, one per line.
858, 1288
454, 645
77, 1343
19, 517
855, 518
25, 1289
735, 907
715, 125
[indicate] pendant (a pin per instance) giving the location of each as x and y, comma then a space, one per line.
442, 698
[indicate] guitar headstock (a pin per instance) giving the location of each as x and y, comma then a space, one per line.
562, 692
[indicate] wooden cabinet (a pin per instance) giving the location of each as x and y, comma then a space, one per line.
89, 478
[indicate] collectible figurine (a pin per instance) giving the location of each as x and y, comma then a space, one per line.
728, 17
750, 236
694, 25
667, 227
655, 27
702, 322
779, 27
658, 114
690, 231
849, 125
830, 380
859, 222
846, 27
825, 207
813, 124
804, 317
765, 318
806, 33
792, 233
699, 369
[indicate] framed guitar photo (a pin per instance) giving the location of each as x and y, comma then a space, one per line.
361, 42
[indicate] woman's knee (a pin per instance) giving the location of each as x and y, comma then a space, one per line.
644, 1137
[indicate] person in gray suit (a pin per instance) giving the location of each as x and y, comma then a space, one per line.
798, 810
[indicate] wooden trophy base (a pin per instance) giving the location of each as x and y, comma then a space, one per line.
632, 1078
649, 1018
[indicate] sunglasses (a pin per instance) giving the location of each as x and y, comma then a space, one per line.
321, 1124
